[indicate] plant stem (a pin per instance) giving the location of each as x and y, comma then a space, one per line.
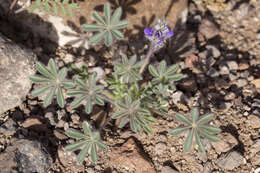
147, 58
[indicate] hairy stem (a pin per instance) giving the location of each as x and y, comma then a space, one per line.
147, 59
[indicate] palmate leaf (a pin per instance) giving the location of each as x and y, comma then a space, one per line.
131, 111
87, 91
52, 6
54, 81
108, 28
164, 75
197, 128
89, 143
128, 69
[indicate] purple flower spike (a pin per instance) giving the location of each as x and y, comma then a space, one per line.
169, 34
148, 32
158, 34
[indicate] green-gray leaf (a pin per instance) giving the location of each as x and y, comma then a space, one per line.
83, 153
96, 38
177, 131
75, 146
188, 141
60, 98
49, 97
182, 118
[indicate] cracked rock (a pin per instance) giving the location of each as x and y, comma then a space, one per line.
231, 161
16, 65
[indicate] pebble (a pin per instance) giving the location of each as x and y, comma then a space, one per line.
226, 143
232, 77
253, 121
8, 128
68, 58
168, 169
223, 69
244, 74
241, 83
231, 161
213, 72
160, 148
230, 96
215, 52
256, 82
208, 29
232, 65
179, 97
50, 117
243, 66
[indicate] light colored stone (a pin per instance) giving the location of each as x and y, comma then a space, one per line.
208, 29
256, 82
223, 70
241, 83
226, 143
16, 65
253, 121
168, 169
215, 52
232, 65
231, 161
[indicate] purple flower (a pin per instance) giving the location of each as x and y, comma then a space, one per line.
158, 34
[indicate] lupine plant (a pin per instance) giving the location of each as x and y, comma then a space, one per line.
197, 128
107, 29
134, 99
49, 6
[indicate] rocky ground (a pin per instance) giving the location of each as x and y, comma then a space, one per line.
216, 44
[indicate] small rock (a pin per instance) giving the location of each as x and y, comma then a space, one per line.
58, 134
160, 148
223, 69
50, 117
243, 66
35, 123
253, 121
208, 29
215, 52
168, 169
232, 65
226, 143
245, 75
27, 156
212, 72
231, 161
179, 97
256, 82
241, 83
230, 96
8, 128
232, 77
68, 58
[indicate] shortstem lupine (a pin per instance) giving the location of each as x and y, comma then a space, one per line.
157, 36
